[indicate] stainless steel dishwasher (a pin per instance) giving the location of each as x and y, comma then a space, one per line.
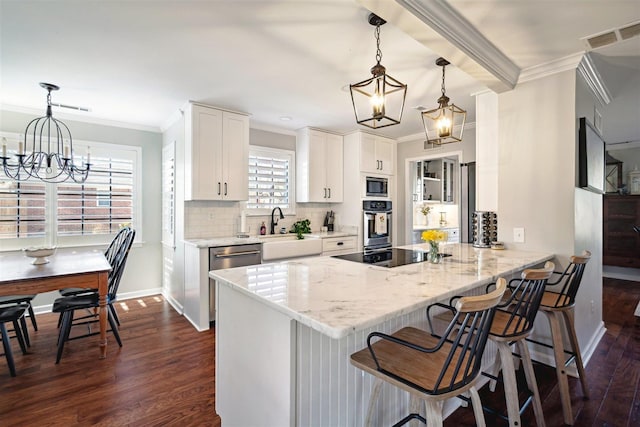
228, 257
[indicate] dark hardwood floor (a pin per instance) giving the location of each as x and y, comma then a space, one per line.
163, 374
613, 373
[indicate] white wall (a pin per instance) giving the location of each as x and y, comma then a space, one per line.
537, 186
142, 275
414, 149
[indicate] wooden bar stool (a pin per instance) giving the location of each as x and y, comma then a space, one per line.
429, 367
512, 324
557, 304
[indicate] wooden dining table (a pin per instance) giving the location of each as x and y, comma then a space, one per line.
65, 269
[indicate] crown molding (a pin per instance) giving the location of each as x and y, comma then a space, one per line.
451, 25
81, 118
589, 72
420, 136
549, 68
270, 128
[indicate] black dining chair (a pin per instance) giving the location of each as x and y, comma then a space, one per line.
88, 299
123, 235
20, 299
15, 315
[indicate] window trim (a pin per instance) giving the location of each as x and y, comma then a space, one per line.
275, 152
13, 244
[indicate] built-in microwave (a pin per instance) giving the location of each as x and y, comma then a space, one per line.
376, 187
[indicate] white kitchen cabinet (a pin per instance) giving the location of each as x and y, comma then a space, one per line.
319, 162
216, 154
447, 180
376, 154
339, 245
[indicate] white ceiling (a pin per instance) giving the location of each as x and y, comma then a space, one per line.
139, 61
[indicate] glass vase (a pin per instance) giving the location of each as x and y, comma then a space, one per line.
433, 256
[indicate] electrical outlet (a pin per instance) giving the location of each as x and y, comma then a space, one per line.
518, 235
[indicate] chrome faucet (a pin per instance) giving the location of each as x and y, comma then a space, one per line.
275, 222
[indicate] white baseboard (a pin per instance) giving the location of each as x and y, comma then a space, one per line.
587, 352
195, 324
173, 302
41, 309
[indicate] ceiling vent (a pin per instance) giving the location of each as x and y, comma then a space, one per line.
630, 31
612, 36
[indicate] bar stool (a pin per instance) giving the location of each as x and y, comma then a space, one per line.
512, 324
433, 368
558, 304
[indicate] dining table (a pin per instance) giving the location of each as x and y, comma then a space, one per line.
64, 269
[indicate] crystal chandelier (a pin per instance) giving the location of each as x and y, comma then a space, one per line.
50, 158
378, 101
440, 124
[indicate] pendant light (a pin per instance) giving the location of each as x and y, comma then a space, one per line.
378, 101
50, 158
444, 124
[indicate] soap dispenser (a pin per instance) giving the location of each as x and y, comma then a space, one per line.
263, 229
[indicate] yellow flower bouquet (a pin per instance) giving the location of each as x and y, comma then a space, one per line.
434, 237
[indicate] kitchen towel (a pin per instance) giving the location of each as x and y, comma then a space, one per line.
381, 223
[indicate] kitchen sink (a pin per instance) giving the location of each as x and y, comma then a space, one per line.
282, 246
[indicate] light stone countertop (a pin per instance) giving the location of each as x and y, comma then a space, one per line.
338, 297
234, 241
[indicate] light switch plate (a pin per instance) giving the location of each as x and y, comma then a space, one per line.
518, 234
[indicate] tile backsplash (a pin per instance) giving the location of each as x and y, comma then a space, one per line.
222, 219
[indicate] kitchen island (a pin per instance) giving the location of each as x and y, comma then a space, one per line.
285, 331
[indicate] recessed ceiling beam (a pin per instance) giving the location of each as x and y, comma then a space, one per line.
440, 28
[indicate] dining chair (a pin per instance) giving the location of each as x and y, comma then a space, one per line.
433, 368
558, 303
15, 315
123, 236
19, 299
117, 255
512, 324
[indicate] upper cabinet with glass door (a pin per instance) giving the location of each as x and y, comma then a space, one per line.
435, 180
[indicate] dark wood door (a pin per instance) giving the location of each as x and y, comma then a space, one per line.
621, 240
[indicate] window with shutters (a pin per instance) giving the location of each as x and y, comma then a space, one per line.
87, 213
271, 180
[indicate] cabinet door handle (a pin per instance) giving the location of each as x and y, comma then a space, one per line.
325, 192
219, 188
340, 243
381, 165
225, 188
329, 193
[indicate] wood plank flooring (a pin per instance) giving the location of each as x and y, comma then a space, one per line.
163, 374
613, 373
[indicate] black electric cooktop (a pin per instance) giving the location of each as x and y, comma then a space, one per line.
391, 257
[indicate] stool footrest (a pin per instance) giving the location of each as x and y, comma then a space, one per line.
570, 353
409, 418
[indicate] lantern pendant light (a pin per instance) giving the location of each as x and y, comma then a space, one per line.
378, 101
444, 124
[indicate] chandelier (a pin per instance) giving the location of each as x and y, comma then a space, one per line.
440, 124
378, 101
50, 158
